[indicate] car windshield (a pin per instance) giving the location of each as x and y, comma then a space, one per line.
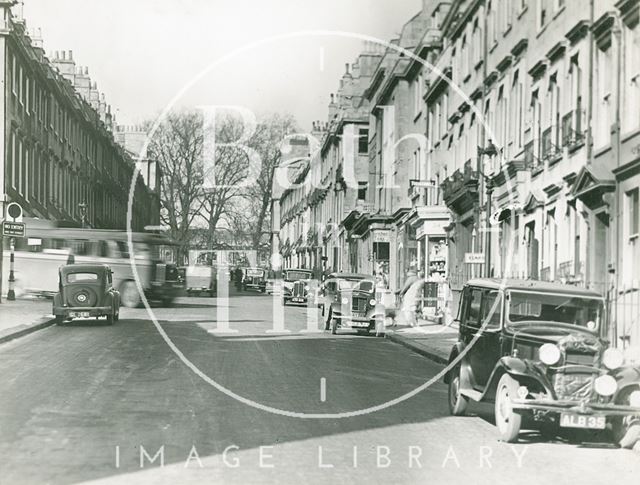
255, 272
76, 277
347, 284
544, 307
296, 275
365, 286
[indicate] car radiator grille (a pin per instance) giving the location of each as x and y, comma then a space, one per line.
298, 289
359, 304
574, 358
572, 386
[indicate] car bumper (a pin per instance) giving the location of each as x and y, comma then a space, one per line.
589, 409
94, 311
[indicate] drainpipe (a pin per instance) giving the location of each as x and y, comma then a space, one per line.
485, 181
613, 312
590, 91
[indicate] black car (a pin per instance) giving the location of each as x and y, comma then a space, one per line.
349, 300
537, 351
298, 286
86, 291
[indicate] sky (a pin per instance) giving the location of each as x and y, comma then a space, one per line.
145, 53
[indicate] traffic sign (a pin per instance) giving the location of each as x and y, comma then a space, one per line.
474, 258
14, 211
13, 229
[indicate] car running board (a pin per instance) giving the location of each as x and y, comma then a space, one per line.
472, 394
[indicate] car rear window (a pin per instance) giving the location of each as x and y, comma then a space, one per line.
76, 277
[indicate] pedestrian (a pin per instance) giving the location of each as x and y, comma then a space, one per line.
411, 294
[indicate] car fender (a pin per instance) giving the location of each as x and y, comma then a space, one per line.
57, 302
521, 370
465, 375
628, 379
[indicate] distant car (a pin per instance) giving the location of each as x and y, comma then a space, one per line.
86, 291
536, 350
254, 279
350, 300
299, 285
200, 279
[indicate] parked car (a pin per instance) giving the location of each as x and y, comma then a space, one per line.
299, 285
86, 291
200, 279
349, 300
537, 351
254, 279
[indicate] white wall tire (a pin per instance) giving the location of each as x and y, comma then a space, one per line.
508, 422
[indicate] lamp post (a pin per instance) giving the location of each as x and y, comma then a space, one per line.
490, 150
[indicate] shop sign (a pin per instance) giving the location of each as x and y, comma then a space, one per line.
474, 258
382, 236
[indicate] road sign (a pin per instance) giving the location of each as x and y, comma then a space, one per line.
13, 229
14, 211
474, 258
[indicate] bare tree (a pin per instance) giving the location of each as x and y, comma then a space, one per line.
267, 140
176, 146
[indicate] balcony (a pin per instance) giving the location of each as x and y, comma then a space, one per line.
460, 191
571, 137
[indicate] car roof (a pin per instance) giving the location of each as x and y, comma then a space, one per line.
532, 285
351, 276
83, 268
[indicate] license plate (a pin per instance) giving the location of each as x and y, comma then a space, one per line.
359, 324
358, 314
79, 314
297, 300
581, 421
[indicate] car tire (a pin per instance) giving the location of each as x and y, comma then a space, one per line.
334, 326
285, 302
59, 319
508, 422
129, 295
110, 319
457, 402
116, 316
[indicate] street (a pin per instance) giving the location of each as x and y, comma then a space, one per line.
114, 404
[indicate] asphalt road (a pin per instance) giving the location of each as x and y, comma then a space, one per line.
85, 402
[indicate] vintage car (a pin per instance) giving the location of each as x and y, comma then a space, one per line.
200, 279
86, 291
349, 300
298, 286
254, 279
537, 351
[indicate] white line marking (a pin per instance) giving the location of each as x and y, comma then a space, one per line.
323, 389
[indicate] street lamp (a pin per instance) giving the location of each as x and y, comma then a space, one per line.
490, 150
83, 213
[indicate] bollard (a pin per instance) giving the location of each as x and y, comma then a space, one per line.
11, 294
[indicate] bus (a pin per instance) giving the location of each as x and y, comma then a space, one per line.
47, 247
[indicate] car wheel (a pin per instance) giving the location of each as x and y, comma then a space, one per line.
625, 431
334, 326
327, 323
116, 316
110, 319
59, 319
129, 295
457, 402
507, 421
285, 302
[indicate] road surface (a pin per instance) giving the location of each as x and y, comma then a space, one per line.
116, 404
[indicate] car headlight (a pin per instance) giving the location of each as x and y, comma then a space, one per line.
612, 358
549, 353
605, 385
634, 399
372, 302
345, 301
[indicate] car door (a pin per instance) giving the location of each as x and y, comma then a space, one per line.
470, 325
488, 346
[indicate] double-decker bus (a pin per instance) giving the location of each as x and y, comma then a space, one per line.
47, 247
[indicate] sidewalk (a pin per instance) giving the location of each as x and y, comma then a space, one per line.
23, 316
432, 340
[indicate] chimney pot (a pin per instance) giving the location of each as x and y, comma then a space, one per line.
64, 55
331, 98
346, 68
71, 55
